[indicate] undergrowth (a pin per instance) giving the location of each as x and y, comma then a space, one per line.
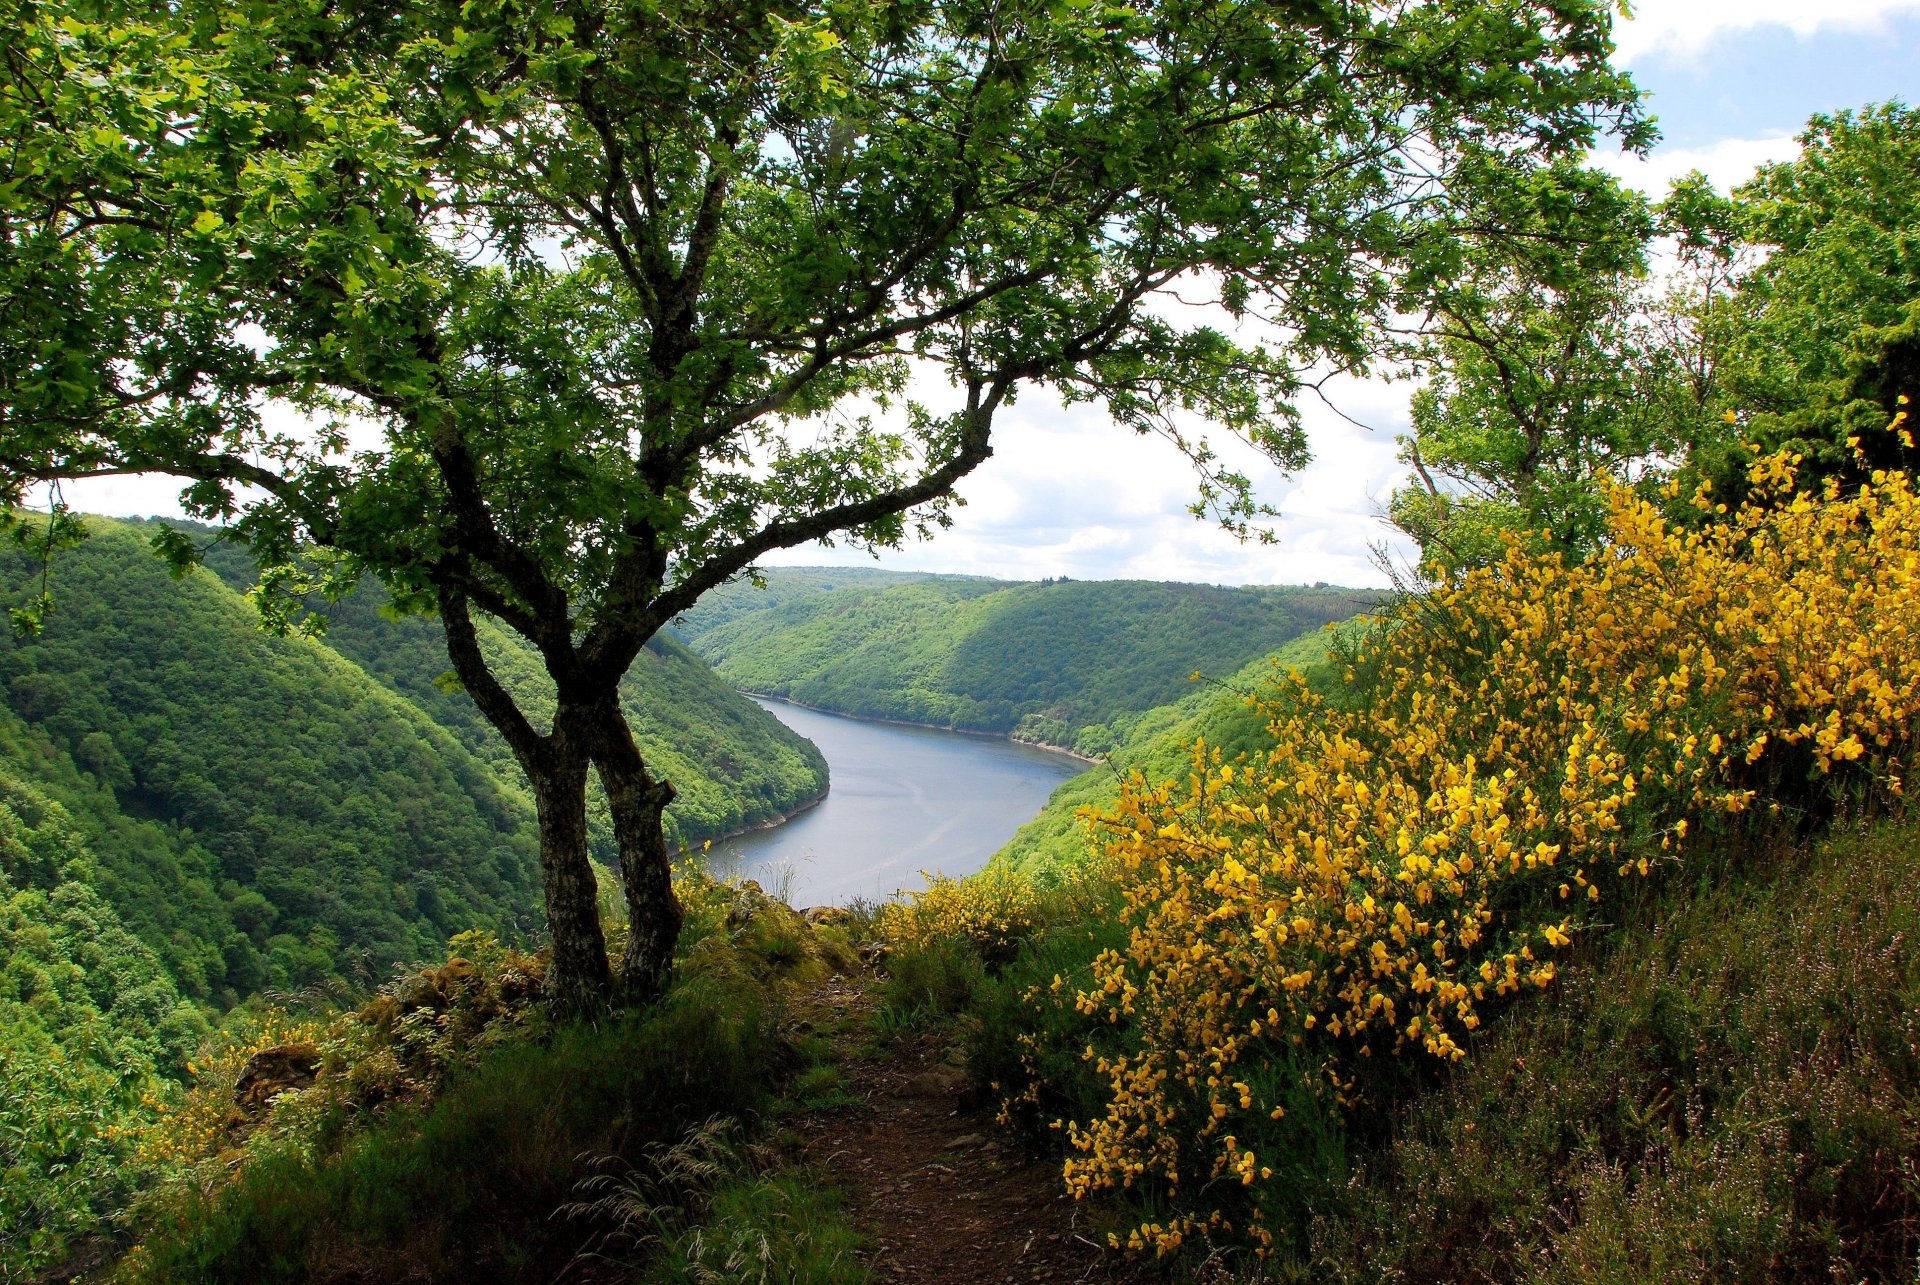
1731, 1093
448, 1132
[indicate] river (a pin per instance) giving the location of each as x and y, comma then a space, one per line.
903, 800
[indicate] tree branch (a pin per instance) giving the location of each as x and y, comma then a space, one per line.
470, 666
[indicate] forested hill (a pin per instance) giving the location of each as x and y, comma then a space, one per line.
732, 764
314, 816
267, 812
1158, 745
1067, 662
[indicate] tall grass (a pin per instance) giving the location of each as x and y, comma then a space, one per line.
1731, 1094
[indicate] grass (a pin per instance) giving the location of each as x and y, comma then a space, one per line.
1730, 1092
817, 1088
1723, 1086
776, 1230
473, 1183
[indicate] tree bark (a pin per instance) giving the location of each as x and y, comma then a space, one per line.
638, 803
578, 978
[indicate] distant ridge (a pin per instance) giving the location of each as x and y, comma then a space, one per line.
1070, 663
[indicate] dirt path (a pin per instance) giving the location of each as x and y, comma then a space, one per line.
930, 1177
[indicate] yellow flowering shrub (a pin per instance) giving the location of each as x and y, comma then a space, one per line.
207, 1120
1531, 734
993, 911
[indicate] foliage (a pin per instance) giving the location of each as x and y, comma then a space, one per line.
90, 1027
949, 942
1070, 663
449, 1124
180, 837
314, 825
1557, 368
1222, 712
773, 587
983, 948
733, 766
1728, 1095
715, 1218
1817, 347
992, 912
1545, 375
1326, 919
623, 300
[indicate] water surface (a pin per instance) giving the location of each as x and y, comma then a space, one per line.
904, 800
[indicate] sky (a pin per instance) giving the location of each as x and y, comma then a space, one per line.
1067, 493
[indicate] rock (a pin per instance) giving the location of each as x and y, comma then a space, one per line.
827, 916
285, 1068
750, 901
381, 1012
438, 988
965, 1141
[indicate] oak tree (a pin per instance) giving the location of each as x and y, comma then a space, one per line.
584, 308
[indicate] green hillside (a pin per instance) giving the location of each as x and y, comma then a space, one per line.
780, 586
1066, 662
273, 812
321, 825
89, 1020
735, 766
1156, 746
1724, 1090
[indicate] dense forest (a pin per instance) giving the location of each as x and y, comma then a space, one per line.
319, 818
281, 811
92, 1020
1064, 662
194, 812
732, 767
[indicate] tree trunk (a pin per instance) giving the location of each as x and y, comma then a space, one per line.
578, 979
638, 804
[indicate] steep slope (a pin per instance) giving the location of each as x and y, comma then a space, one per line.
734, 765
1066, 662
89, 1019
319, 825
1156, 745
1725, 1088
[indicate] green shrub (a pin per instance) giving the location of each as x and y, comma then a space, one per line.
464, 1188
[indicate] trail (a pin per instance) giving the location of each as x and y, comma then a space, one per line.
944, 1196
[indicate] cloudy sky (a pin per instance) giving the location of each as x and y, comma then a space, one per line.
1730, 81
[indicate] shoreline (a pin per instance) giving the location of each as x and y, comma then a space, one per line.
1051, 748
1008, 737
771, 823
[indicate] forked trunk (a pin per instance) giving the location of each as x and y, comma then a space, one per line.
578, 979
638, 804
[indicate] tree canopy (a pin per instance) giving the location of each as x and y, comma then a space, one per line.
593, 305
1788, 322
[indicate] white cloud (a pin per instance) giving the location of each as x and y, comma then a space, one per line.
1067, 492
1687, 28
1728, 162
